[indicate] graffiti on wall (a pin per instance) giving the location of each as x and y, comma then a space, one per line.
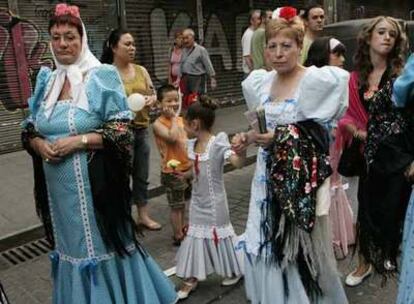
215, 40
35, 55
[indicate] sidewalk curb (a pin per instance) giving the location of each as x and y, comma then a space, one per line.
36, 232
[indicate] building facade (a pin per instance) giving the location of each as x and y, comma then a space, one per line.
219, 25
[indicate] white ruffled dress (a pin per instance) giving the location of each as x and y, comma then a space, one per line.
209, 244
322, 95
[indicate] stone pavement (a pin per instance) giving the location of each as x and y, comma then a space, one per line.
29, 282
17, 212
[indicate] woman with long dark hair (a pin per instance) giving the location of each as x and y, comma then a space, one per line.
378, 59
119, 49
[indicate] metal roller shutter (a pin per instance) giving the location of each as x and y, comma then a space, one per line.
224, 25
31, 31
11, 97
153, 25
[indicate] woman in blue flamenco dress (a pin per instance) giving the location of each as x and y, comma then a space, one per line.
403, 97
79, 138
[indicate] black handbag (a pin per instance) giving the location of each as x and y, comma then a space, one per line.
352, 162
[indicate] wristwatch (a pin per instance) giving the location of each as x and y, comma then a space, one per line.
84, 140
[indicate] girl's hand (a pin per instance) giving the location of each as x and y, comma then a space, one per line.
240, 142
264, 140
68, 145
45, 150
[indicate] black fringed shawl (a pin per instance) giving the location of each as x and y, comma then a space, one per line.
109, 170
384, 199
296, 167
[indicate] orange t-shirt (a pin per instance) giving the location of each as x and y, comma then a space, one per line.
177, 150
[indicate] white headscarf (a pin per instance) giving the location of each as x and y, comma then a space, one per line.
333, 43
75, 74
276, 13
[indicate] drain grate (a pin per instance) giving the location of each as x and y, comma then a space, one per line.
23, 253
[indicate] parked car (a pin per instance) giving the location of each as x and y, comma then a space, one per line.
347, 31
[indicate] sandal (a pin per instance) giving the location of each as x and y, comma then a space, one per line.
183, 294
153, 227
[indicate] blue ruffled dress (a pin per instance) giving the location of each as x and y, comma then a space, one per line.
83, 269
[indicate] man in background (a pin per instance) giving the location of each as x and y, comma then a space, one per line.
195, 69
255, 21
314, 20
259, 41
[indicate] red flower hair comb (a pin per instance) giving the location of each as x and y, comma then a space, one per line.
64, 9
288, 12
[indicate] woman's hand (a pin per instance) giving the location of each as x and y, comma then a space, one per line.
150, 100
176, 83
264, 140
45, 150
361, 135
67, 145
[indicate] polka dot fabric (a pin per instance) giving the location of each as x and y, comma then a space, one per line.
84, 270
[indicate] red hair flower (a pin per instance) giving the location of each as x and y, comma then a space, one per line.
288, 12
64, 9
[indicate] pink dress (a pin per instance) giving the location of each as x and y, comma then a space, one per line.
340, 212
175, 61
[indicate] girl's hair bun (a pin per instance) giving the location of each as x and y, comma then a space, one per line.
207, 102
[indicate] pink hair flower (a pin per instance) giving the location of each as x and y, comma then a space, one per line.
64, 9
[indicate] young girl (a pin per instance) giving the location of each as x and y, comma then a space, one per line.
208, 245
378, 59
322, 52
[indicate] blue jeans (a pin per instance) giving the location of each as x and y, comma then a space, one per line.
140, 167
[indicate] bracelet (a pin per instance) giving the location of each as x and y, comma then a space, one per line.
84, 140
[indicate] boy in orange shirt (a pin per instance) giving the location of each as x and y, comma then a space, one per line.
171, 140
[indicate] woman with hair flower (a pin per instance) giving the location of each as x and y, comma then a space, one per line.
79, 138
289, 256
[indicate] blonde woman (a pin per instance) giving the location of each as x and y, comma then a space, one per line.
284, 263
